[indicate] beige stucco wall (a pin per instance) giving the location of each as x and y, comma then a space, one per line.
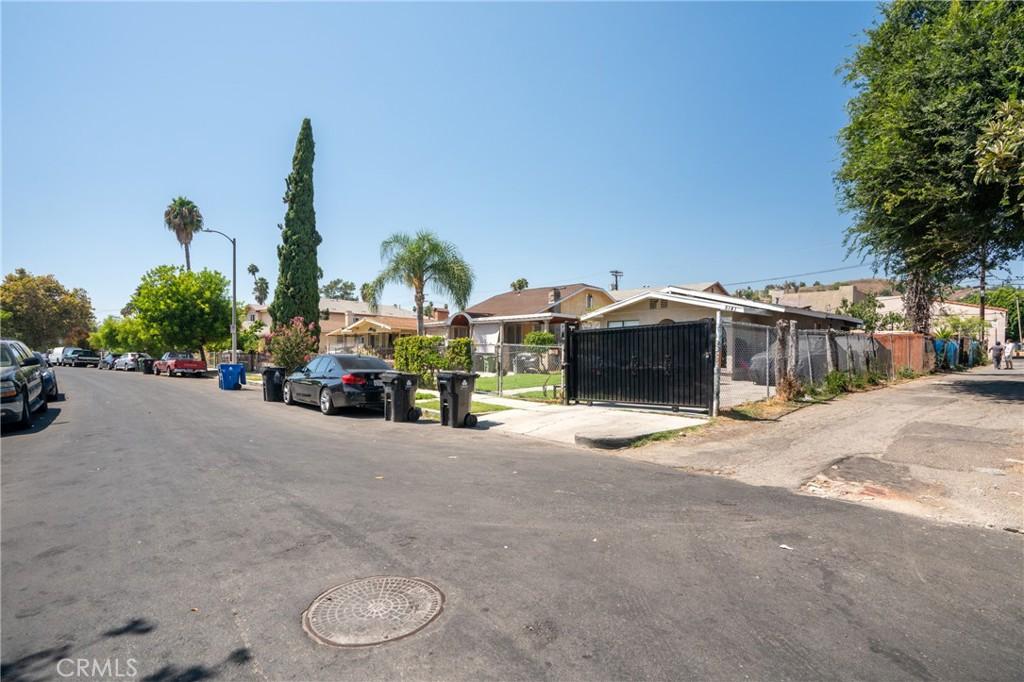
641, 311
577, 304
826, 301
996, 318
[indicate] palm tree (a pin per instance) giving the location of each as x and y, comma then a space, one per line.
183, 218
418, 261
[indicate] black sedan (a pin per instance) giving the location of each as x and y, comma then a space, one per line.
21, 384
334, 381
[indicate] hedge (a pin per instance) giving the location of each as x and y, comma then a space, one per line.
459, 355
420, 355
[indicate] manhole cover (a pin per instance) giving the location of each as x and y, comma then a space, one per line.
372, 610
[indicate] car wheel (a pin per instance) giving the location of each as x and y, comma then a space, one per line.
54, 392
287, 394
326, 404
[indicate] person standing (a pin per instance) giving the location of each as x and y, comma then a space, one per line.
1008, 351
997, 354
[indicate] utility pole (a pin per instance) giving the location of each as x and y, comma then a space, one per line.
234, 292
616, 274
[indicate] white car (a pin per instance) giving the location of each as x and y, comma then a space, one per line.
130, 362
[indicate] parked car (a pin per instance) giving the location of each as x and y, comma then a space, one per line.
130, 362
55, 355
49, 377
82, 357
179, 362
107, 361
333, 381
21, 384
65, 352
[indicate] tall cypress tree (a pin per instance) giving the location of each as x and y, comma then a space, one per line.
297, 294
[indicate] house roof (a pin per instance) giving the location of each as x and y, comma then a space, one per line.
336, 305
714, 301
712, 287
376, 324
526, 302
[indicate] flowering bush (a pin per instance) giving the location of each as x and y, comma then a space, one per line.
293, 344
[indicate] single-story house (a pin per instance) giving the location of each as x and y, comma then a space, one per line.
996, 317
346, 325
509, 317
678, 304
706, 287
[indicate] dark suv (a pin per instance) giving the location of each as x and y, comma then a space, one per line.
81, 357
21, 384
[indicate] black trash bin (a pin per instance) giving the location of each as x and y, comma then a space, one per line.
147, 365
273, 384
400, 396
456, 389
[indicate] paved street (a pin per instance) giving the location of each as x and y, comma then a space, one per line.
186, 528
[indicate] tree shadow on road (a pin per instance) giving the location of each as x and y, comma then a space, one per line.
42, 664
996, 390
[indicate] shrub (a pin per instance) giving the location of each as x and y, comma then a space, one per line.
420, 355
539, 339
837, 382
906, 373
459, 354
291, 344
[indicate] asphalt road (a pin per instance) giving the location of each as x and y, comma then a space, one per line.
185, 528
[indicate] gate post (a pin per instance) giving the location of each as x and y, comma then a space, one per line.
565, 362
718, 364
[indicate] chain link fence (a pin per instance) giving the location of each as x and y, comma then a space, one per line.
511, 369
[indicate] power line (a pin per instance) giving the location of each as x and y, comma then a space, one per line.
799, 274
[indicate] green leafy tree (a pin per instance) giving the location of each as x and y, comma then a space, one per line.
1000, 154
341, 289
296, 294
182, 217
124, 334
865, 309
365, 292
40, 311
1012, 299
927, 79
519, 284
183, 310
420, 261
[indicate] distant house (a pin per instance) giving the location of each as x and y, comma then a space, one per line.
509, 317
346, 325
941, 310
827, 300
680, 304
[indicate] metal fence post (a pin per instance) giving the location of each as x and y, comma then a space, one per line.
767, 355
565, 361
718, 364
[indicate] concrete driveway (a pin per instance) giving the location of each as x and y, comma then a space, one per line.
948, 447
163, 523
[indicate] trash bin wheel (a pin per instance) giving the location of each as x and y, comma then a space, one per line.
414, 414
470, 420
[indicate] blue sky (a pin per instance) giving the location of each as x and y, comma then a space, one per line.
675, 142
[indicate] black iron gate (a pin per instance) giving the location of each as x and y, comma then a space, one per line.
671, 364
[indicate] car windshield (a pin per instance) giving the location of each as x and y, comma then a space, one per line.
362, 362
6, 357
179, 355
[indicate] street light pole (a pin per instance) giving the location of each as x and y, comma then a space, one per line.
234, 292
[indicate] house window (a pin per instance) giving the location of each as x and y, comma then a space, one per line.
252, 317
653, 304
616, 324
590, 301
664, 304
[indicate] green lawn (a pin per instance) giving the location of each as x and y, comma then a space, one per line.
476, 408
519, 381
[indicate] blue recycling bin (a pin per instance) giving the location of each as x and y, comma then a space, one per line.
230, 377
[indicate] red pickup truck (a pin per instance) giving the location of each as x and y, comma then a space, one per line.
177, 362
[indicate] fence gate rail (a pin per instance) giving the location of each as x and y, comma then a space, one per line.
671, 364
